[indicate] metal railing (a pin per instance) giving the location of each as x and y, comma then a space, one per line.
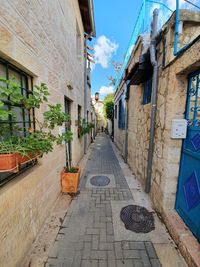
143, 25
144, 20
191, 5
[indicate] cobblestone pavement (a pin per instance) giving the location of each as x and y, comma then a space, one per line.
86, 237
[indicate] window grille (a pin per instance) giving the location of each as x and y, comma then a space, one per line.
24, 119
79, 119
115, 111
147, 92
121, 114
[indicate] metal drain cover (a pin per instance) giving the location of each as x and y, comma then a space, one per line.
137, 219
99, 180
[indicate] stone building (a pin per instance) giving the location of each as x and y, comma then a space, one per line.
42, 41
98, 107
175, 176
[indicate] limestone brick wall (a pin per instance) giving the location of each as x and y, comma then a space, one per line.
138, 132
172, 94
40, 38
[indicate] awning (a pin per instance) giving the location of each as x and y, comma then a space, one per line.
87, 13
141, 71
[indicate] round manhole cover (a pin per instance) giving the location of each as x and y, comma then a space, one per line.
99, 180
137, 219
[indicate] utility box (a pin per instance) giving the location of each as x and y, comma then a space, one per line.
179, 129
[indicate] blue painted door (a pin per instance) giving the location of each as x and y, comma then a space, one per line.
188, 192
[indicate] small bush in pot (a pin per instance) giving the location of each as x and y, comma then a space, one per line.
70, 179
18, 150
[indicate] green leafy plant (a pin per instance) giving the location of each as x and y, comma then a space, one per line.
54, 116
10, 91
43, 139
71, 169
108, 105
38, 96
84, 127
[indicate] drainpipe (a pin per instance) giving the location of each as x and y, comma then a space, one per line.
126, 129
153, 100
85, 89
176, 50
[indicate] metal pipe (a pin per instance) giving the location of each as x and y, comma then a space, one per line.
85, 89
126, 129
153, 100
176, 29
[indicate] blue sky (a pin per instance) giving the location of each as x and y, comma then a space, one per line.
115, 20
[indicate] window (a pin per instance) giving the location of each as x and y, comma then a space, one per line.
115, 111
79, 119
24, 119
121, 114
147, 92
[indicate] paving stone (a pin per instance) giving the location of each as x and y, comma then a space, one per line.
124, 263
95, 242
77, 259
144, 258
118, 250
110, 238
111, 255
87, 237
66, 253
102, 237
137, 245
92, 231
99, 255
59, 263
131, 254
150, 250
103, 263
86, 251
137, 263
125, 245
106, 246
89, 263
100, 225
111, 263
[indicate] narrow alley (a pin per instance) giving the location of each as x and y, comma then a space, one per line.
100, 133
92, 233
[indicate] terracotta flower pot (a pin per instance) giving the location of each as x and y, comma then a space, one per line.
21, 158
69, 181
8, 162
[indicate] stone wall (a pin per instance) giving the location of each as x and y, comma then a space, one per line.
39, 37
138, 132
172, 93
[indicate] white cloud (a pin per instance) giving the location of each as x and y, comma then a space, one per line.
104, 50
182, 4
104, 90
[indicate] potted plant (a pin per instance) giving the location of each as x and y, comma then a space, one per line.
8, 158
69, 176
70, 179
19, 150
